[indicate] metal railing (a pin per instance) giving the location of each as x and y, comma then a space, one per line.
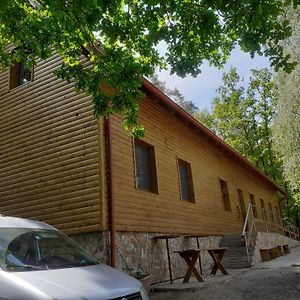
260, 219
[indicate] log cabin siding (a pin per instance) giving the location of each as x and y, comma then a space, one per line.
164, 212
52, 165
50, 155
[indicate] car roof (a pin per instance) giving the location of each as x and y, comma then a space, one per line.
14, 222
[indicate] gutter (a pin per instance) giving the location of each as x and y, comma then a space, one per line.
110, 194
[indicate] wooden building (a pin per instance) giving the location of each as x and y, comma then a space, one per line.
58, 166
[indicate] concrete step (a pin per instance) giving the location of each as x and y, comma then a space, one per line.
238, 266
236, 249
236, 256
234, 259
232, 243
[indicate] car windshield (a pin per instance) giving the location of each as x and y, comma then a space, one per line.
35, 249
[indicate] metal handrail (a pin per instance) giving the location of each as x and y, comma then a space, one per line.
246, 220
285, 225
251, 227
276, 219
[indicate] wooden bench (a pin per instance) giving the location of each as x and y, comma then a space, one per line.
274, 253
268, 253
190, 256
265, 254
217, 254
280, 251
286, 249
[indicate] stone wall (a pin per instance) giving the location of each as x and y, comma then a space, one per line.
270, 240
139, 252
95, 243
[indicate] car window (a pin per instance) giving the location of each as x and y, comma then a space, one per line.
40, 250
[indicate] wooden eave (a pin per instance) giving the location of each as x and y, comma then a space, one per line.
157, 95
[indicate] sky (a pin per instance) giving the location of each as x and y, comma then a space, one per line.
202, 89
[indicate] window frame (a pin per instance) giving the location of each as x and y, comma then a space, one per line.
242, 204
15, 75
277, 211
271, 212
254, 206
263, 209
189, 180
153, 170
226, 201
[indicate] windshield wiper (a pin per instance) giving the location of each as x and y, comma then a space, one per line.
24, 267
90, 263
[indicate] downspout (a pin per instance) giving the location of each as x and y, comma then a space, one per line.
110, 194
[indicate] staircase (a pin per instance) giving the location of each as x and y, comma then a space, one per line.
236, 256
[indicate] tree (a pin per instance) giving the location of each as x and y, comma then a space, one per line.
188, 105
120, 38
243, 118
286, 129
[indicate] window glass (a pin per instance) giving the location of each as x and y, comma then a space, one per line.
271, 212
35, 249
186, 182
264, 213
25, 73
242, 203
145, 167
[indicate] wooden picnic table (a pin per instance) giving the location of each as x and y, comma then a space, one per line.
217, 255
191, 256
197, 237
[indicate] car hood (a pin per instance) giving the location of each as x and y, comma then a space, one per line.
98, 282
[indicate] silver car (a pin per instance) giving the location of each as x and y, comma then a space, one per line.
38, 261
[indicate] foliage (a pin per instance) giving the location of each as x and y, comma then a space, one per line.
243, 117
188, 105
120, 38
287, 119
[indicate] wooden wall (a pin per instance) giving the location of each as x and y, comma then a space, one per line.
49, 152
52, 165
138, 210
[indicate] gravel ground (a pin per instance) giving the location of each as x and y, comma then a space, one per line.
266, 284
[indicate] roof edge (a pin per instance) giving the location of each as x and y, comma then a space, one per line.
151, 89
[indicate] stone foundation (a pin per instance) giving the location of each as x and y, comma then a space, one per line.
139, 253
270, 240
95, 243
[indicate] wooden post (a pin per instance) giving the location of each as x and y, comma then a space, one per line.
167, 237
169, 261
198, 246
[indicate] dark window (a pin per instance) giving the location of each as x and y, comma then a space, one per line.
263, 210
145, 167
19, 74
277, 214
186, 181
225, 195
242, 203
271, 212
254, 208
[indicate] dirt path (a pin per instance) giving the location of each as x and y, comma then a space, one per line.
256, 284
